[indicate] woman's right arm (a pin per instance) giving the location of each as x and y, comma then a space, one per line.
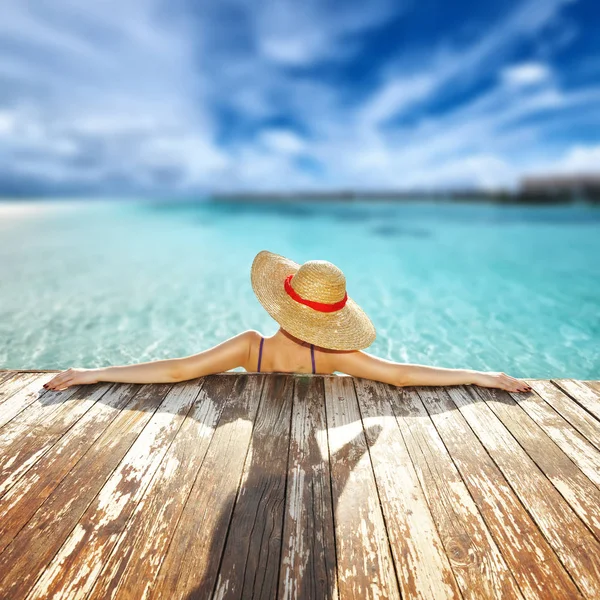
360, 364
227, 355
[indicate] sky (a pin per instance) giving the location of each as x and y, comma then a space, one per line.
182, 97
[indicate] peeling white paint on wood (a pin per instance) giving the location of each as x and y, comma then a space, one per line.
140, 550
29, 396
31, 437
584, 395
360, 530
513, 529
570, 410
576, 547
74, 568
566, 437
201, 530
16, 382
431, 493
421, 560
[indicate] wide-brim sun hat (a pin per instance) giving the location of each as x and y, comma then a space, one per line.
310, 301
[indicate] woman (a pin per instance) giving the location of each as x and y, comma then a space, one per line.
314, 312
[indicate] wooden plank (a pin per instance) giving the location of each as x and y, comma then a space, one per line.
422, 565
291, 549
4, 375
251, 559
21, 501
561, 432
534, 564
308, 568
30, 393
136, 558
13, 384
584, 395
37, 412
478, 565
22, 450
191, 565
364, 559
24, 560
577, 489
574, 544
73, 571
580, 419
594, 385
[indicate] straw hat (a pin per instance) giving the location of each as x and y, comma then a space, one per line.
310, 302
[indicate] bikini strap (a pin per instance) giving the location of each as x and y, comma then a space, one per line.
262, 339
312, 356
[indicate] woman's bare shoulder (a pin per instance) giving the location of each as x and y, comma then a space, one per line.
244, 338
251, 334
252, 338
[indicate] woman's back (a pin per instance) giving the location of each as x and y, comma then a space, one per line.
280, 355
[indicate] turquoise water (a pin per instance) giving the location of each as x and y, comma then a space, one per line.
513, 289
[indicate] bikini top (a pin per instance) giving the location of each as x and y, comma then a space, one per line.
312, 355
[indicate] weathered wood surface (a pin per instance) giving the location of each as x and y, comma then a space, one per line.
297, 486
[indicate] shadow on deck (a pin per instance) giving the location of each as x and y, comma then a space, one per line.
298, 486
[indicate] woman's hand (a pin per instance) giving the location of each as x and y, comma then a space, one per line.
70, 377
502, 381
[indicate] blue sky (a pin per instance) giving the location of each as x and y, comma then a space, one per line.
185, 97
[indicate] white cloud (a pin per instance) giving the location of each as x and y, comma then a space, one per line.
7, 122
283, 140
195, 156
303, 33
293, 51
485, 171
395, 96
579, 159
526, 74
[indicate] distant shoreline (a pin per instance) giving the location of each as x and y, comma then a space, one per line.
468, 196
540, 192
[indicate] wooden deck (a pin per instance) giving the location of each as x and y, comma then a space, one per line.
298, 486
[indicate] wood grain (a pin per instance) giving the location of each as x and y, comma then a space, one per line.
190, 567
308, 567
534, 564
139, 552
569, 443
28, 396
422, 565
74, 568
365, 562
585, 395
37, 431
21, 501
24, 560
5, 375
574, 544
585, 423
298, 486
476, 560
14, 383
251, 558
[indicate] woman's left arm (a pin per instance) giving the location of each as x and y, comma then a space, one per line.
227, 355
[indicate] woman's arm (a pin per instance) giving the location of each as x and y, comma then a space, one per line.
361, 364
227, 355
